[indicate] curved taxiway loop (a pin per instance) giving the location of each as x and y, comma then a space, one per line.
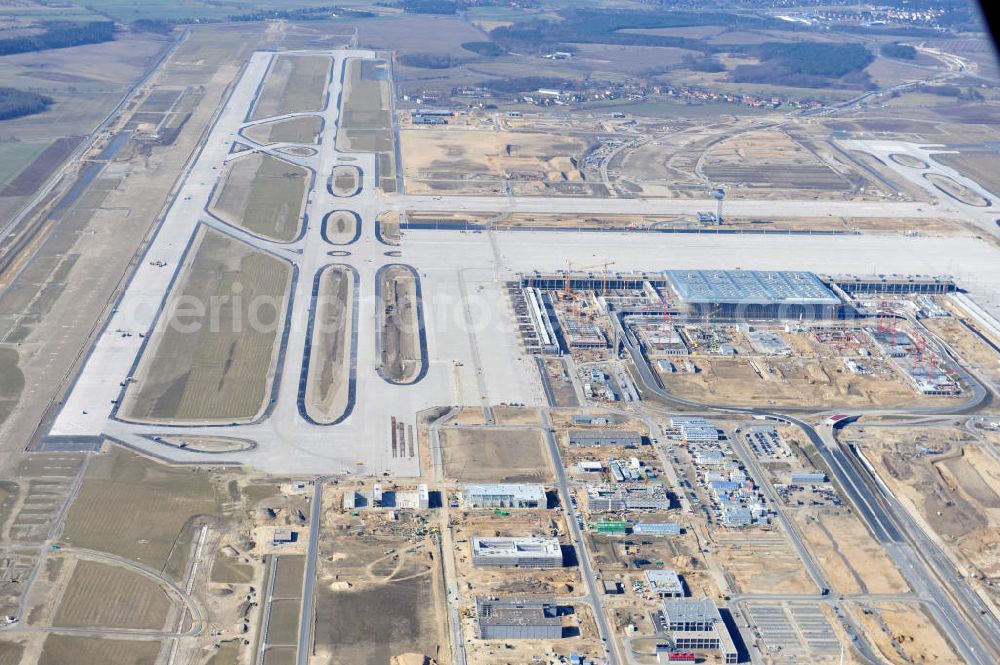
359, 180
380, 314
244, 444
381, 238
357, 227
352, 376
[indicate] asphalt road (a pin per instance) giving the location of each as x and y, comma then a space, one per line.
603, 629
975, 631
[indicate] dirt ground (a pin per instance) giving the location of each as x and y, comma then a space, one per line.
294, 83
770, 158
740, 555
478, 160
263, 194
345, 180
815, 374
380, 592
401, 359
968, 345
329, 361
494, 454
221, 371
340, 227
852, 560
895, 627
948, 480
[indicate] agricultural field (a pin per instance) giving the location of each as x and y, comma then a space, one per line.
142, 527
495, 455
330, 360
110, 596
201, 369
264, 195
366, 116
294, 84
301, 129
63, 649
400, 334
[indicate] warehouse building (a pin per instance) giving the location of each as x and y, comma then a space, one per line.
516, 553
517, 619
604, 437
755, 294
657, 529
665, 583
808, 478
504, 495
697, 624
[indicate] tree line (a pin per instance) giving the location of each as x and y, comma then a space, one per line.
60, 34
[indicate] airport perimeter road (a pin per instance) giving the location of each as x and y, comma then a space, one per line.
608, 641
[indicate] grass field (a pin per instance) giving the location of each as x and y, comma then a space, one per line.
199, 368
494, 455
143, 525
72, 650
329, 361
302, 129
108, 596
264, 195
293, 84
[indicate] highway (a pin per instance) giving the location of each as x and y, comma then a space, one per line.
966, 620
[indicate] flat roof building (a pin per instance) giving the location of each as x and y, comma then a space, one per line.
665, 583
656, 529
697, 624
516, 553
754, 293
504, 495
517, 619
604, 437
